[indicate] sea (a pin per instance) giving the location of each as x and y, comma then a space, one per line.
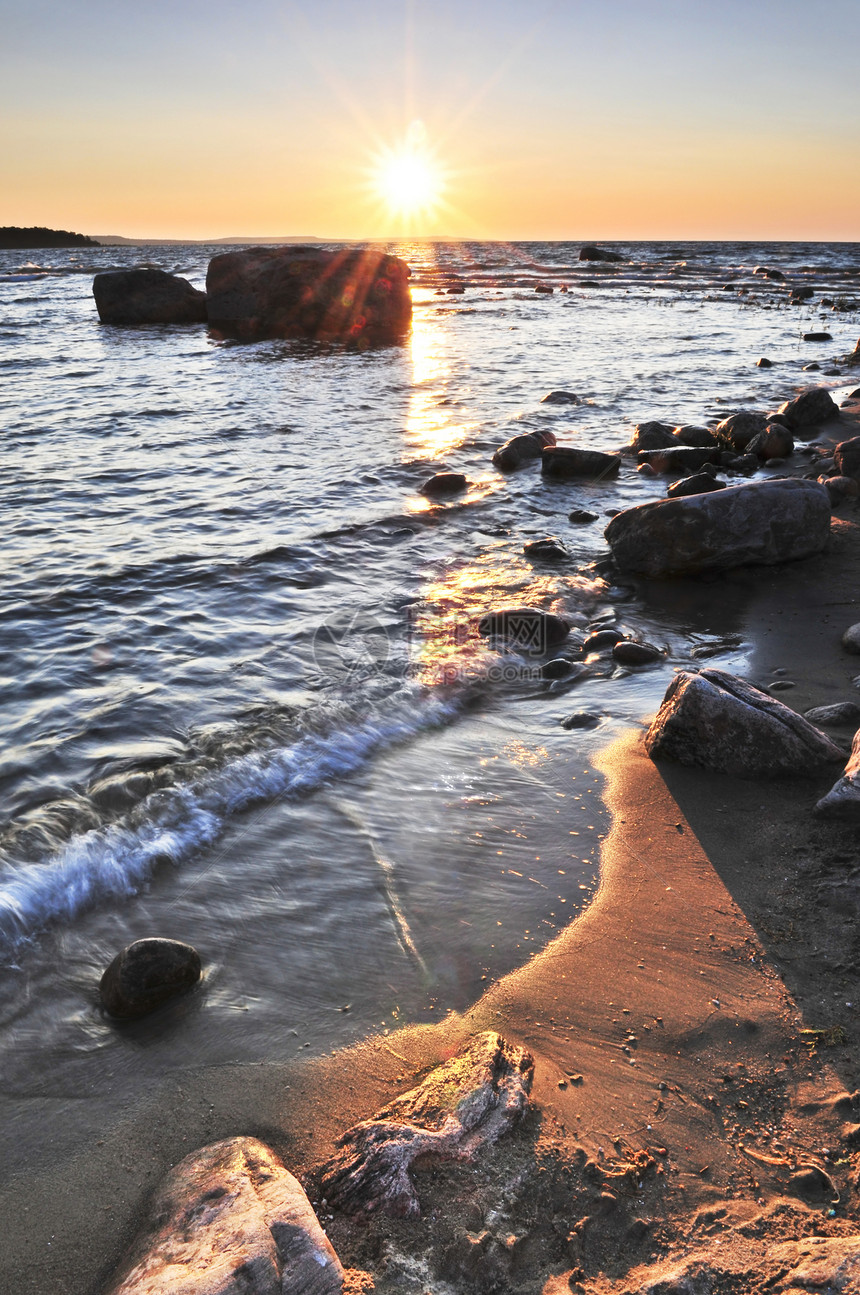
245, 700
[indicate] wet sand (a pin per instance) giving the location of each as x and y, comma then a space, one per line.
723, 927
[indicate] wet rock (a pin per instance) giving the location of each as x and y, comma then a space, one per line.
841, 488
812, 1184
764, 363
560, 398
817, 337
680, 458
846, 458
602, 639
522, 449
843, 799
548, 549
736, 431
146, 974
582, 517
462, 1106
759, 523
229, 1220
716, 721
775, 442
699, 483
566, 463
444, 483
689, 434
835, 715
580, 719
627, 652
851, 639
591, 253
813, 406
147, 297
653, 436
357, 294
525, 629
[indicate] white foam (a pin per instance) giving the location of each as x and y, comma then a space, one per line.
115, 861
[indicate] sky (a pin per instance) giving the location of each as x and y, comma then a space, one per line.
498, 119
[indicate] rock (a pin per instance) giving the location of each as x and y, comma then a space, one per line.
812, 1184
445, 483
582, 517
689, 434
565, 463
803, 293
544, 288
653, 436
358, 294
736, 431
775, 442
716, 721
681, 458
629, 653
147, 297
843, 799
813, 406
846, 458
817, 337
522, 449
591, 253
560, 398
231, 1220
463, 1105
699, 484
548, 549
580, 719
759, 523
841, 488
834, 715
146, 974
525, 628
764, 363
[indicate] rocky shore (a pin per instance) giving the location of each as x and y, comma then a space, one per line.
665, 1100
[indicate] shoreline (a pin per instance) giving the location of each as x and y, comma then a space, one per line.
715, 966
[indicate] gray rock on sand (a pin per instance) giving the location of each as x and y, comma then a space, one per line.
716, 721
843, 799
736, 431
358, 295
758, 523
699, 484
522, 449
846, 458
680, 458
146, 974
464, 1105
560, 398
444, 483
231, 1220
525, 629
836, 714
813, 406
147, 297
566, 463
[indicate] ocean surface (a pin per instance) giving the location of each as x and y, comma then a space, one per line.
244, 699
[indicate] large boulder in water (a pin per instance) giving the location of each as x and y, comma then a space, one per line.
716, 721
146, 974
358, 294
758, 523
231, 1220
147, 297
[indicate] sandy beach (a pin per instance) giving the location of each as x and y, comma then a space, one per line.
677, 1087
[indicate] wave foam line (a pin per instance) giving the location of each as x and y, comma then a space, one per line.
114, 862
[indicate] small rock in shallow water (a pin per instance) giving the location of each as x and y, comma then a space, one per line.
146, 974
548, 549
580, 719
582, 517
629, 653
444, 483
838, 713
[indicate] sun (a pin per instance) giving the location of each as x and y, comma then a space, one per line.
408, 179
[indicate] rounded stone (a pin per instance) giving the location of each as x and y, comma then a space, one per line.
146, 974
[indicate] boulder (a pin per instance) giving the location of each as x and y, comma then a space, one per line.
846, 458
522, 449
548, 549
699, 484
147, 297
525, 629
680, 458
653, 436
736, 431
591, 253
813, 406
464, 1105
758, 523
444, 483
146, 974
716, 721
565, 463
775, 442
836, 714
231, 1220
560, 398
358, 294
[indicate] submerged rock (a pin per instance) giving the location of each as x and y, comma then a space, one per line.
813, 406
445, 483
463, 1105
147, 297
716, 721
525, 629
760, 522
522, 449
565, 462
358, 294
231, 1220
146, 974
843, 799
